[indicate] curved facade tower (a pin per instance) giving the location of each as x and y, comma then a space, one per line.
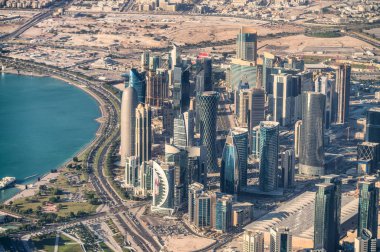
163, 187
208, 109
312, 153
233, 173
268, 156
127, 124
137, 81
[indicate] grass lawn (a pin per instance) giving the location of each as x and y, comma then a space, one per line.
65, 244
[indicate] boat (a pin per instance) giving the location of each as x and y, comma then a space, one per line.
7, 181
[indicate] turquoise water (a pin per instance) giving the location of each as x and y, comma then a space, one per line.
43, 123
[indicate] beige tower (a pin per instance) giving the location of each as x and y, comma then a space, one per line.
127, 124
143, 133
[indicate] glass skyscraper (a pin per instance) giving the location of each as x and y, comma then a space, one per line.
208, 109
312, 153
368, 207
343, 88
137, 81
268, 163
163, 187
246, 43
325, 222
223, 213
280, 240
373, 125
233, 173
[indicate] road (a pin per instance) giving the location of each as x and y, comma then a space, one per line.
98, 151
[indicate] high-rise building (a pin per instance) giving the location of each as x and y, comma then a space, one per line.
243, 111
184, 130
365, 242
246, 43
145, 60
243, 73
163, 187
168, 117
233, 173
137, 81
145, 180
143, 134
127, 124
336, 181
196, 165
257, 107
312, 154
203, 75
297, 138
208, 108
157, 87
253, 241
280, 240
287, 168
175, 56
195, 189
223, 213
368, 207
343, 87
132, 171
286, 91
373, 125
267, 79
326, 85
268, 163
202, 218
325, 222
154, 62
367, 151
179, 158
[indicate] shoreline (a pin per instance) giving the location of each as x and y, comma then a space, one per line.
45, 177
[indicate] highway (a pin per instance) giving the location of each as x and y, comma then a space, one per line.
100, 148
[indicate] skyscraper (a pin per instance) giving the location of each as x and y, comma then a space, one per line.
373, 125
202, 218
280, 240
223, 213
132, 171
196, 165
343, 87
243, 73
137, 81
257, 107
368, 152
368, 207
208, 108
325, 222
184, 130
287, 168
312, 154
203, 75
143, 134
255, 142
268, 163
195, 189
246, 43
127, 124
268, 63
175, 56
157, 87
233, 173
253, 241
163, 187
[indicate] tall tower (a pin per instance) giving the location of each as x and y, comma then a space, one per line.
163, 187
195, 189
373, 125
325, 218
143, 134
223, 213
233, 174
280, 240
287, 168
137, 81
257, 107
312, 154
127, 124
208, 109
184, 130
343, 87
253, 241
297, 138
157, 87
268, 156
246, 43
368, 207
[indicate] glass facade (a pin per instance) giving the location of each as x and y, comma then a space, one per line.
208, 108
137, 81
247, 44
373, 125
368, 207
268, 163
223, 218
312, 154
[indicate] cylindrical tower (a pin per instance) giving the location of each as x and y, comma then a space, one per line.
208, 108
127, 124
312, 153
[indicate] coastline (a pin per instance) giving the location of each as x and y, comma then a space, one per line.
46, 177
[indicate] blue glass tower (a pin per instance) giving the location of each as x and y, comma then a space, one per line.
368, 207
137, 81
233, 174
268, 156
